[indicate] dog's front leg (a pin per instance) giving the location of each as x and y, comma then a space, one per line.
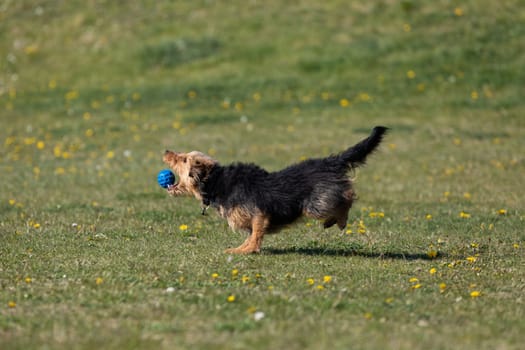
254, 241
240, 249
172, 190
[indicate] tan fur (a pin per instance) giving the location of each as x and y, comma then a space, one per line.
238, 218
252, 244
185, 166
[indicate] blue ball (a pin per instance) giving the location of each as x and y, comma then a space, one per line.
165, 178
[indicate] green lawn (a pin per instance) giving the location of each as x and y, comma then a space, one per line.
94, 253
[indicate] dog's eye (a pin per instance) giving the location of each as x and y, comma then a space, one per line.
184, 160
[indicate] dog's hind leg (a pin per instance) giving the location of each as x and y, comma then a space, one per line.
340, 217
330, 222
342, 221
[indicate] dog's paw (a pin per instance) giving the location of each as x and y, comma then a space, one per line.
242, 250
172, 190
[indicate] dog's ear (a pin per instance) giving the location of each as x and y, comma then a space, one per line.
201, 165
172, 158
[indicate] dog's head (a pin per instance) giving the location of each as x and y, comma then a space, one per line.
190, 168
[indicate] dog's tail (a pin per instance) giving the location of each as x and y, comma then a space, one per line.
356, 155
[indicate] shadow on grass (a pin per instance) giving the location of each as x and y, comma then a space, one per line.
350, 251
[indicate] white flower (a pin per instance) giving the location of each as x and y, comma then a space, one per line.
170, 290
259, 315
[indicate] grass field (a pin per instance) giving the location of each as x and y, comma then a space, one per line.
94, 254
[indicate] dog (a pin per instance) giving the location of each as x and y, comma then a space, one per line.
259, 202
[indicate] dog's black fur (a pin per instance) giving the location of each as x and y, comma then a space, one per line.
259, 201
286, 194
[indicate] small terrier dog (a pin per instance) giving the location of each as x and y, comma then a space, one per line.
255, 200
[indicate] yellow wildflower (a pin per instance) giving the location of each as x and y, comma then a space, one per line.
344, 102
99, 281
432, 271
362, 227
475, 293
411, 74
363, 96
327, 279
464, 215
231, 298
71, 95
310, 281
183, 227
432, 253
57, 151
